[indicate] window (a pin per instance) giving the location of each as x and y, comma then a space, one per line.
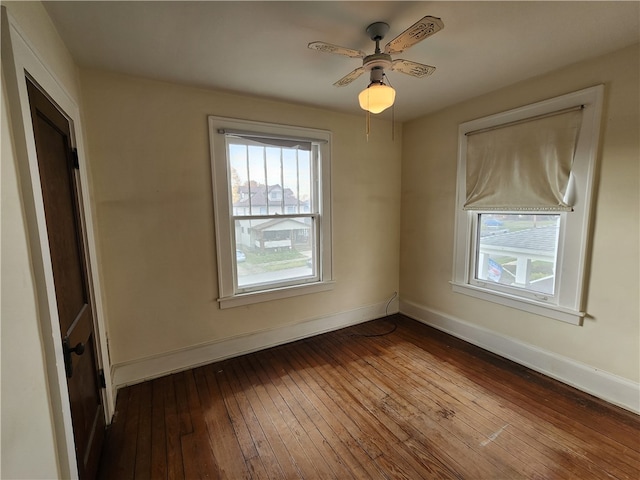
525, 181
272, 210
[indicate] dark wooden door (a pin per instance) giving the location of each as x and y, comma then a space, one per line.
58, 175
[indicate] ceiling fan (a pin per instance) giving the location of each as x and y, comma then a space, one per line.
378, 96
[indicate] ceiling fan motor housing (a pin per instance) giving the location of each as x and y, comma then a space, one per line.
376, 61
376, 64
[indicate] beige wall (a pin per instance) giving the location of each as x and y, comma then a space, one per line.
609, 339
148, 146
38, 28
29, 447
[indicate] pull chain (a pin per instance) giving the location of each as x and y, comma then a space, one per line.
368, 124
393, 113
393, 123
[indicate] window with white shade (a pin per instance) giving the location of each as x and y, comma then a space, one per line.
524, 194
272, 210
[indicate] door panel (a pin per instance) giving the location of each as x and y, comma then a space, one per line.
59, 181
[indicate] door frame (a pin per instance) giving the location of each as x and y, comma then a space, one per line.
20, 58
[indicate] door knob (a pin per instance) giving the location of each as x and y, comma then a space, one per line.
67, 350
78, 349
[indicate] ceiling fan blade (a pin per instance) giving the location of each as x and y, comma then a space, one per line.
420, 30
329, 48
412, 68
350, 77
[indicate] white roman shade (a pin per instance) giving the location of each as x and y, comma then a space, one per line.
524, 165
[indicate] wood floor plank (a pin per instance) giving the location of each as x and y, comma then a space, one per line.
387, 399
264, 451
278, 448
257, 469
334, 433
290, 423
368, 395
328, 404
175, 468
158, 430
222, 437
307, 416
182, 404
284, 424
143, 444
338, 401
311, 441
125, 467
202, 461
219, 384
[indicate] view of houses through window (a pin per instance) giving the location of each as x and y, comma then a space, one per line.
518, 250
274, 212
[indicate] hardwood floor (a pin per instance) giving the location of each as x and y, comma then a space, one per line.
390, 398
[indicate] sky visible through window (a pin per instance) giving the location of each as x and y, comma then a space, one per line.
287, 167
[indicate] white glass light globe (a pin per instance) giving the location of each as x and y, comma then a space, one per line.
377, 97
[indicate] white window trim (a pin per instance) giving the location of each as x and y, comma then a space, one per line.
574, 241
223, 219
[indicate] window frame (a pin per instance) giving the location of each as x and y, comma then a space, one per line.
230, 295
568, 303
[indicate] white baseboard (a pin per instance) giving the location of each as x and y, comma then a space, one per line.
129, 373
607, 386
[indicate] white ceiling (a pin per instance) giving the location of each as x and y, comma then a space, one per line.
260, 48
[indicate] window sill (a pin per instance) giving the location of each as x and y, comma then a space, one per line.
275, 294
556, 312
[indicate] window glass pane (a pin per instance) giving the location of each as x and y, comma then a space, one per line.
256, 181
290, 181
305, 180
518, 250
273, 172
275, 181
274, 250
238, 175
269, 180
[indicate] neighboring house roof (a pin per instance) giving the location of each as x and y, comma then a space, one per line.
537, 240
278, 224
258, 196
